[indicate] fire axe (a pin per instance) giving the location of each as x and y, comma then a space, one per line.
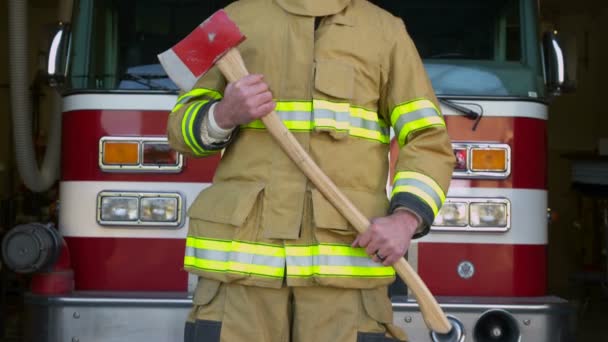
214, 42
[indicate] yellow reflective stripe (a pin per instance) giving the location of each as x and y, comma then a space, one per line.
295, 250
412, 116
421, 194
329, 271
237, 267
291, 125
418, 124
213, 94
367, 134
409, 107
366, 114
225, 246
182, 100
228, 246
191, 131
188, 123
293, 106
423, 178
346, 118
177, 107
235, 248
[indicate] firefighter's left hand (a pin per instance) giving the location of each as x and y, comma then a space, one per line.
388, 236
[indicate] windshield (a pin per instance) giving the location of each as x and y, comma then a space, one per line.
470, 47
116, 42
475, 47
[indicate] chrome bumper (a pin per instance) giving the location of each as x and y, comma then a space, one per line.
538, 319
160, 317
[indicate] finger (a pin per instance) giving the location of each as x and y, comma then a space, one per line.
264, 109
250, 79
373, 247
356, 242
258, 100
262, 98
365, 238
391, 259
255, 89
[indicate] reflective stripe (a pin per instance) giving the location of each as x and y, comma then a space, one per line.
422, 186
331, 261
307, 116
339, 271
235, 257
187, 127
270, 260
210, 94
414, 115
234, 267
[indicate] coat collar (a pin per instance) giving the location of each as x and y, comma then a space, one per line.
313, 8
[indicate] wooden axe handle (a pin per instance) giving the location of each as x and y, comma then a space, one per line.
233, 68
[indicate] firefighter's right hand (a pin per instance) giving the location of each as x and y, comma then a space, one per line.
244, 101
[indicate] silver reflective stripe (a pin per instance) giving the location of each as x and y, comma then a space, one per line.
246, 258
422, 186
330, 260
369, 125
329, 114
406, 118
294, 116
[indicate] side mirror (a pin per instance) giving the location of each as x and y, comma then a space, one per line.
59, 56
560, 64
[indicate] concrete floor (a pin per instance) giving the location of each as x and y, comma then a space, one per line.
593, 316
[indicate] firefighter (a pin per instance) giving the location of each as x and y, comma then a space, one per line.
275, 260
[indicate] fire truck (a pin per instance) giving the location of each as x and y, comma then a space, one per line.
112, 268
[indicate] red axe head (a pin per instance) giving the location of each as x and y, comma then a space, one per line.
194, 55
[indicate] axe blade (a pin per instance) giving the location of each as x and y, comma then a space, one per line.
194, 55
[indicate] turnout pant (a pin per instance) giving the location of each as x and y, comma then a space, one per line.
230, 312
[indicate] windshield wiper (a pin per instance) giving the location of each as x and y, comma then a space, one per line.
465, 111
147, 80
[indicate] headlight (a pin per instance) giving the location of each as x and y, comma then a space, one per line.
489, 214
452, 214
158, 209
474, 214
119, 208
142, 209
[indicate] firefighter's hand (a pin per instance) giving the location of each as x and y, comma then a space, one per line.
245, 100
388, 237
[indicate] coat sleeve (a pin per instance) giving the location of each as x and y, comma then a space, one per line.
186, 117
425, 161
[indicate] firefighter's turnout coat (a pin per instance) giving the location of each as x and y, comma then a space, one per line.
339, 88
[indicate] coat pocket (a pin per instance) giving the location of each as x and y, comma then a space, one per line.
378, 307
335, 78
205, 291
334, 81
226, 202
325, 215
